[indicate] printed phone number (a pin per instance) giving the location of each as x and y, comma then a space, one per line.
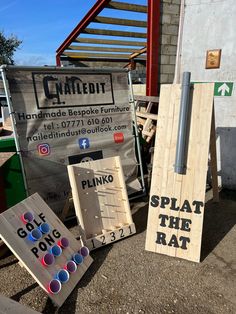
92, 121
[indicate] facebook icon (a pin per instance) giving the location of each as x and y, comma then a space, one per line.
84, 143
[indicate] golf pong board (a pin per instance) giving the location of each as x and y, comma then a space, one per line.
45, 247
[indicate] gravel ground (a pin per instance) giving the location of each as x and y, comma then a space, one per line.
125, 278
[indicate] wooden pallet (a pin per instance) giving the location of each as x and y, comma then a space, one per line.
176, 206
144, 106
15, 234
101, 201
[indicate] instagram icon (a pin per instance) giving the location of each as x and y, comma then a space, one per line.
43, 149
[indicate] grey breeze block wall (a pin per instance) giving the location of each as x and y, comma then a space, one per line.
169, 25
170, 10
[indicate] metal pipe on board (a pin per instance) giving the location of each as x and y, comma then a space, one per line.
183, 129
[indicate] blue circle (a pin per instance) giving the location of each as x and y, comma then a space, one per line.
35, 235
78, 258
56, 250
44, 228
63, 275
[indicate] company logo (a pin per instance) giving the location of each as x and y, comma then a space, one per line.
118, 137
86, 159
88, 156
44, 149
60, 90
84, 143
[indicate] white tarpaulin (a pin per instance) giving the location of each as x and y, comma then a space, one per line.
68, 115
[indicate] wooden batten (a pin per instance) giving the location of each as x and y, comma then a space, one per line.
138, 53
84, 55
101, 48
111, 42
127, 6
101, 201
115, 21
94, 31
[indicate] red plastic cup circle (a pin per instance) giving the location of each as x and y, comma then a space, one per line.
48, 259
54, 286
71, 267
27, 217
84, 251
64, 242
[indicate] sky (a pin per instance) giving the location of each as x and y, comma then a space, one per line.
43, 25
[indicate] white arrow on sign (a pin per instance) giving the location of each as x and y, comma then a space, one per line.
223, 88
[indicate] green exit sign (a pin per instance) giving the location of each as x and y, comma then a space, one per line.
223, 88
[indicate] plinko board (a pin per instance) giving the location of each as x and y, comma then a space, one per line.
45, 247
176, 207
101, 201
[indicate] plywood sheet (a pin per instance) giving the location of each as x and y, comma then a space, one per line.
176, 207
10, 306
101, 201
16, 234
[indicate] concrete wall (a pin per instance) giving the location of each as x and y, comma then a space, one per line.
211, 24
169, 35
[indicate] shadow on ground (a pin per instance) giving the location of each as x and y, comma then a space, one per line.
219, 219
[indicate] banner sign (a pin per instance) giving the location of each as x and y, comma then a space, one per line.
69, 115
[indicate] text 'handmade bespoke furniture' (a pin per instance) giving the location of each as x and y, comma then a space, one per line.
45, 247
101, 201
176, 206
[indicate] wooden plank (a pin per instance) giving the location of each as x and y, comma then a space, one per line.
176, 206
3, 248
66, 207
149, 133
111, 42
94, 31
101, 48
16, 234
111, 235
101, 201
98, 55
10, 306
115, 21
147, 115
146, 98
127, 7
213, 160
138, 53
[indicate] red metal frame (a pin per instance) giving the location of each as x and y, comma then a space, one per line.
153, 35
95, 10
